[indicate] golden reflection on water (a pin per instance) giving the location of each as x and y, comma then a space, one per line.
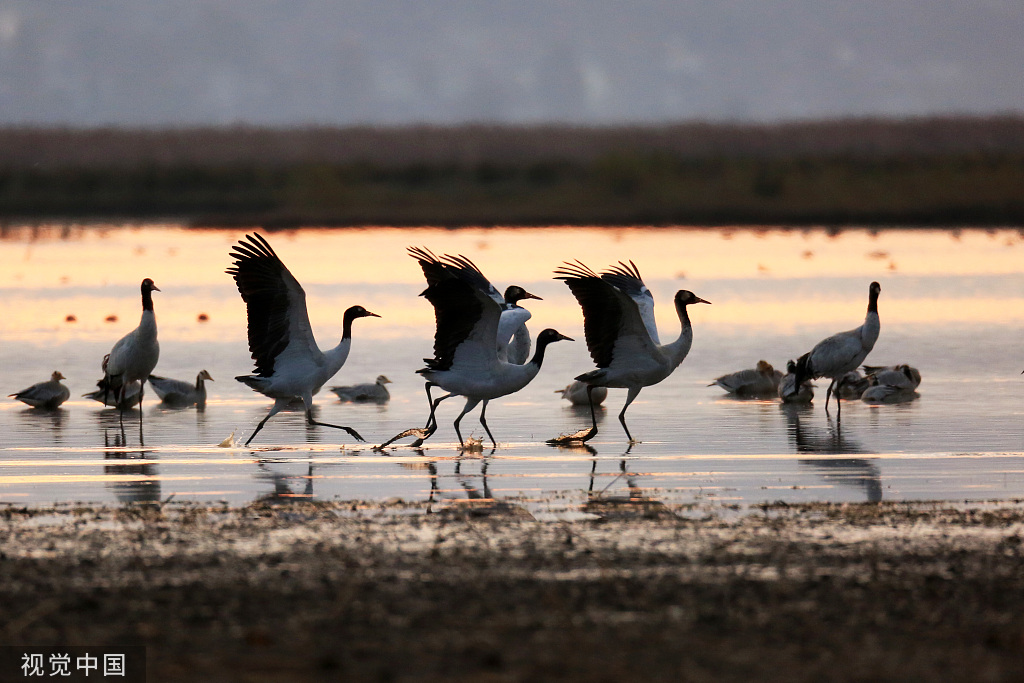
93, 272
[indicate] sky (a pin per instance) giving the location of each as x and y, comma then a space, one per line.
341, 62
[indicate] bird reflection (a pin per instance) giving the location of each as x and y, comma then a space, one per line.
574, 447
113, 417
431, 467
134, 490
859, 473
633, 503
466, 481
479, 500
44, 421
284, 489
813, 439
583, 410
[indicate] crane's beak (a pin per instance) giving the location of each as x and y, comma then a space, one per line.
527, 295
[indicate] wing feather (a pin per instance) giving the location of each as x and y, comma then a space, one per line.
275, 304
627, 280
612, 320
465, 311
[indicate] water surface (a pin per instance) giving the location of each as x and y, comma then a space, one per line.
952, 304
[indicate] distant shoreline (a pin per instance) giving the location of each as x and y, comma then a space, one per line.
929, 172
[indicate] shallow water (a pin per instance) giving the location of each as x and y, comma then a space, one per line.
952, 305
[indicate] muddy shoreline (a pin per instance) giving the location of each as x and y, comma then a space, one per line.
311, 591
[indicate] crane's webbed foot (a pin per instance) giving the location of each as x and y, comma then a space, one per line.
582, 436
353, 433
421, 434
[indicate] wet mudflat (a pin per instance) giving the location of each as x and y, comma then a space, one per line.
479, 590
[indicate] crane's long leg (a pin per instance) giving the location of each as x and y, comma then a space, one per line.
593, 410
258, 428
583, 435
828, 395
310, 420
141, 386
119, 398
633, 393
470, 404
483, 421
839, 401
431, 425
432, 419
308, 402
278, 406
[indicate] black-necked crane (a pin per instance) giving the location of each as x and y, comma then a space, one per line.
135, 355
177, 392
622, 336
513, 336
289, 364
466, 361
47, 395
837, 355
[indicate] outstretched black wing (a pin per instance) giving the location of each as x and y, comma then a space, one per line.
275, 303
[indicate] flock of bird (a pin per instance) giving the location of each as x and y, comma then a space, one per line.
481, 349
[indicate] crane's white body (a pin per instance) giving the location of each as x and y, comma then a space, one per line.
477, 372
136, 354
513, 336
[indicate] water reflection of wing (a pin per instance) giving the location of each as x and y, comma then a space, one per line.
134, 490
44, 421
856, 472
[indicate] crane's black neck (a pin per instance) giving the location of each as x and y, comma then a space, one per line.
147, 298
350, 315
873, 301
538, 355
684, 316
